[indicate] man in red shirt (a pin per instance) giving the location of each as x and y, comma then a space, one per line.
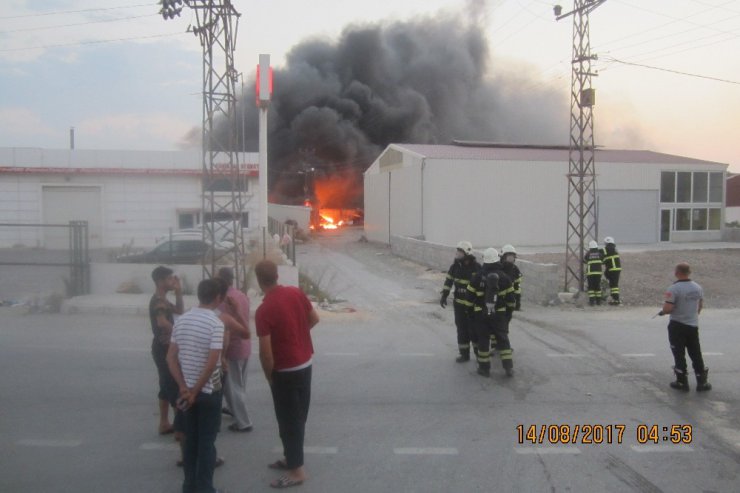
284, 321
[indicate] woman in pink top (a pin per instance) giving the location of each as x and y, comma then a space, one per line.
239, 347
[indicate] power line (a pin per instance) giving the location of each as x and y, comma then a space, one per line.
63, 12
96, 41
615, 60
100, 21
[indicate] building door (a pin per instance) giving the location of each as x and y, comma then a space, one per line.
65, 204
665, 224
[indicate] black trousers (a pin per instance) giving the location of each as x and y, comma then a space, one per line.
685, 338
464, 325
291, 395
496, 325
613, 278
594, 286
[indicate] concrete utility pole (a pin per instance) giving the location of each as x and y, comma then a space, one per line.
582, 214
264, 93
223, 210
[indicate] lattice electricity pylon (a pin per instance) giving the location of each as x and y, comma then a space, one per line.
582, 214
223, 182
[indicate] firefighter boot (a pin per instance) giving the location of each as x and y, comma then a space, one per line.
508, 367
464, 356
484, 369
701, 381
682, 381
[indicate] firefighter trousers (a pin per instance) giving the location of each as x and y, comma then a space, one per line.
613, 278
594, 288
496, 325
464, 326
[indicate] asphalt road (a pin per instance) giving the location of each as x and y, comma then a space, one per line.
391, 410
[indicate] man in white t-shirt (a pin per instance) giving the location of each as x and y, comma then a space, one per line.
194, 359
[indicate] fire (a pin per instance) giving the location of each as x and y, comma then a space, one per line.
328, 222
335, 200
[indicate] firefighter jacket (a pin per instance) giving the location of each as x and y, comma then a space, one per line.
593, 261
459, 275
516, 276
612, 262
505, 299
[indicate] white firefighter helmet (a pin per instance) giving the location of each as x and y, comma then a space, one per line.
466, 247
490, 256
508, 249
593, 244
608, 240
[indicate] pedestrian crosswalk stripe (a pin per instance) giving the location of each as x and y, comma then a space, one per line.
159, 446
661, 448
638, 355
547, 450
712, 354
565, 355
312, 450
425, 451
417, 354
34, 442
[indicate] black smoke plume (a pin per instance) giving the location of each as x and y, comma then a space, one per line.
338, 104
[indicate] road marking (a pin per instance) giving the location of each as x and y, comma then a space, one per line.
565, 355
312, 450
159, 446
628, 375
417, 354
425, 451
342, 354
661, 448
34, 442
713, 354
547, 450
638, 355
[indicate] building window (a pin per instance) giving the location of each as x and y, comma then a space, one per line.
700, 187
699, 219
683, 220
668, 186
715, 219
683, 187
716, 187
187, 219
222, 217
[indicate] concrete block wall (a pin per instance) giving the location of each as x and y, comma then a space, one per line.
106, 278
541, 281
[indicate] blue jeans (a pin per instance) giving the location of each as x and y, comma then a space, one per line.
202, 423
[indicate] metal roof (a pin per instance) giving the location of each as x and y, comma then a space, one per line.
500, 152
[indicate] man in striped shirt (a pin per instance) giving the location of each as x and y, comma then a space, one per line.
194, 358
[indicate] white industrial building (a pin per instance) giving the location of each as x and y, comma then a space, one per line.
127, 197
493, 194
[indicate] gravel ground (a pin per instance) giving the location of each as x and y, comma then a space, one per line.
646, 274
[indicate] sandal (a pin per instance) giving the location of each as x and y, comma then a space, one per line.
285, 482
279, 464
167, 431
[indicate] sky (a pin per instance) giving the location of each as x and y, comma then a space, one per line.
127, 79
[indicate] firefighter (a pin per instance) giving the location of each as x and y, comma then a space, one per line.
491, 293
461, 270
508, 259
612, 268
593, 260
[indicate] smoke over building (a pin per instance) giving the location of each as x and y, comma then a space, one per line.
337, 104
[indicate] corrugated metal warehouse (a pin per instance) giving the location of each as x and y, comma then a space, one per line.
491, 195
127, 197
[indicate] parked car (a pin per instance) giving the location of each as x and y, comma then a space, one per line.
179, 250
